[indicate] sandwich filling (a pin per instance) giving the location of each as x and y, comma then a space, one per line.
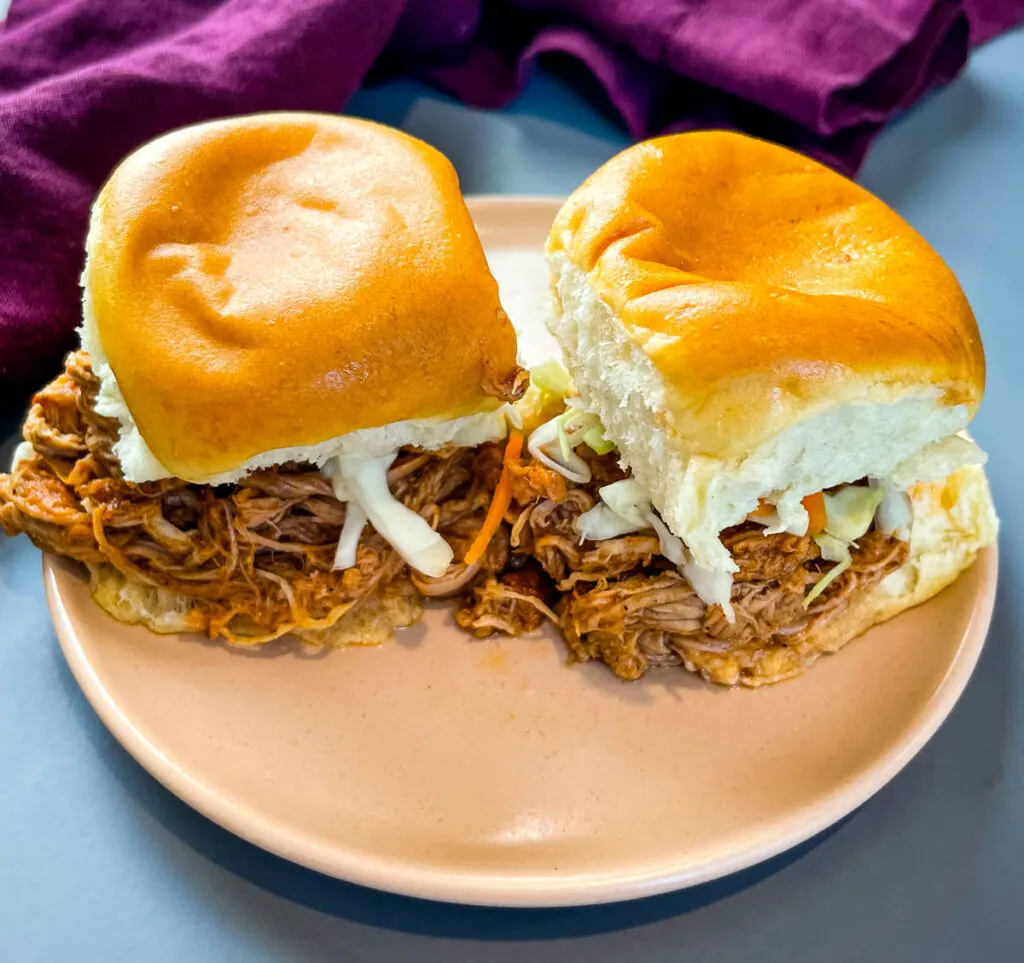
590, 547
553, 529
251, 560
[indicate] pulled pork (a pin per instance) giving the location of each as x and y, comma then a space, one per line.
254, 558
623, 603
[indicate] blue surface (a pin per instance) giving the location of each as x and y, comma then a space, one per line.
99, 863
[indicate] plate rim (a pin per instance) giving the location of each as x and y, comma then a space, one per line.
533, 891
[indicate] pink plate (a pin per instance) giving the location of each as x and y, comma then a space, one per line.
491, 772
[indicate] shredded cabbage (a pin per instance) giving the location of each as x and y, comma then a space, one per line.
626, 507
364, 482
714, 588
351, 530
551, 378
564, 424
671, 545
550, 384
571, 428
895, 512
629, 499
577, 425
850, 511
596, 440
832, 550
543, 439
514, 416
600, 523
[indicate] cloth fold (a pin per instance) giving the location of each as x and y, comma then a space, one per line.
83, 82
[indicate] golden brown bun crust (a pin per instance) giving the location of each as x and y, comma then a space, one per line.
762, 284
278, 280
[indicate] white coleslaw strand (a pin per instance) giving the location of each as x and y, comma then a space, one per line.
545, 438
625, 507
351, 531
895, 514
363, 482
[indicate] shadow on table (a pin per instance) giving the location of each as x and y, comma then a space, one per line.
977, 744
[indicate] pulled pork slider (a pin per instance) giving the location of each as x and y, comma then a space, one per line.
289, 330
784, 369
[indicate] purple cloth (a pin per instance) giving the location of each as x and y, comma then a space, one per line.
82, 82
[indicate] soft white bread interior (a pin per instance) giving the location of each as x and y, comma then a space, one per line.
954, 519
749, 324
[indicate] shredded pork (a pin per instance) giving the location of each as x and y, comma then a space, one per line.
254, 558
623, 603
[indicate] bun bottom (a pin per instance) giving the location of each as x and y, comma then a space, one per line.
953, 520
371, 621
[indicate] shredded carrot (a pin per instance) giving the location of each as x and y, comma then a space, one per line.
499, 503
763, 508
815, 505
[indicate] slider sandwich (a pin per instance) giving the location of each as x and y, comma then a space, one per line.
763, 453
292, 351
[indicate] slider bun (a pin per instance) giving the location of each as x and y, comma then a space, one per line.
275, 281
954, 519
370, 622
747, 322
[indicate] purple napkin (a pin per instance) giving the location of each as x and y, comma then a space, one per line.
83, 82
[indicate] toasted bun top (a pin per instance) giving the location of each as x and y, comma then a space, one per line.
764, 287
277, 280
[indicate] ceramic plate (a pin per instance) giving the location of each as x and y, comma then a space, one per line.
492, 772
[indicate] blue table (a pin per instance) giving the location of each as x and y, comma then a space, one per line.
100, 863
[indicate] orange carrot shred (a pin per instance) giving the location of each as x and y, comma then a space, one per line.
499, 503
815, 505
